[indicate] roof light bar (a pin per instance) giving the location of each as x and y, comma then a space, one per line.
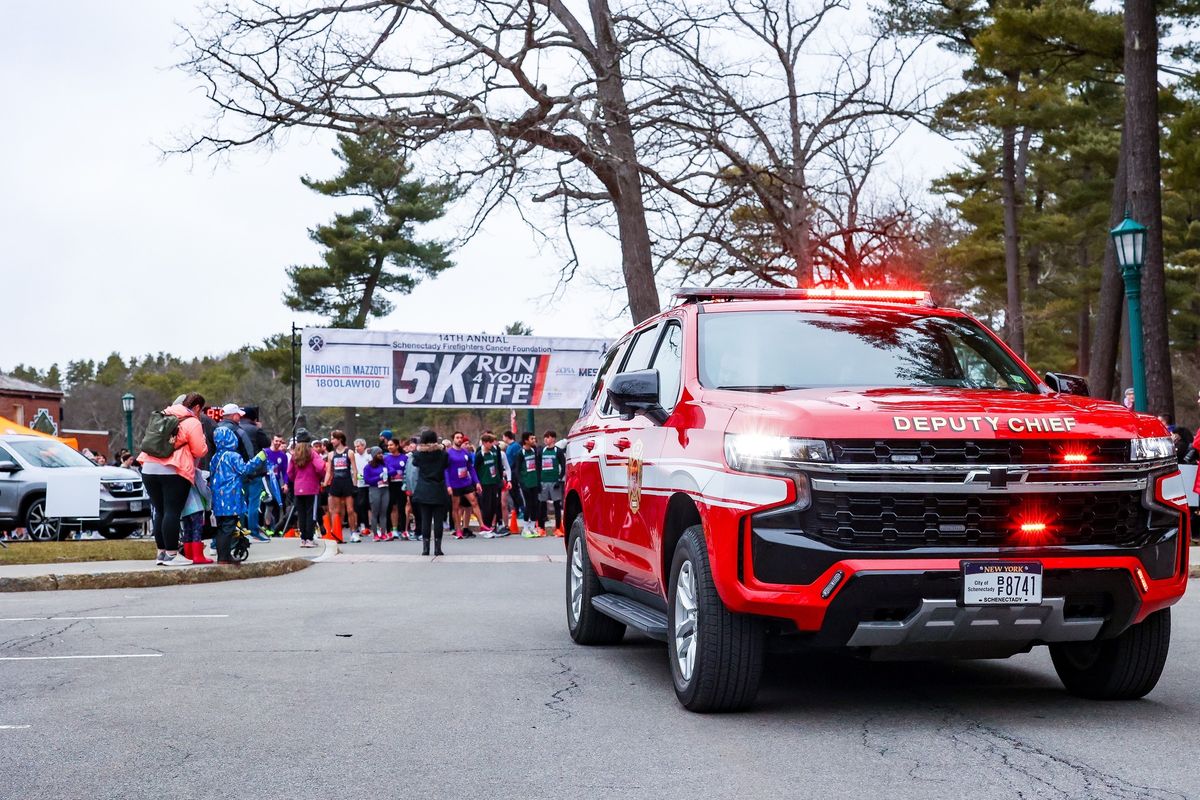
705, 295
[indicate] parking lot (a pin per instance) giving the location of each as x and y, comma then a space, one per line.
387, 678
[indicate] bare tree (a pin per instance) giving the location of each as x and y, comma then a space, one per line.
512, 94
784, 139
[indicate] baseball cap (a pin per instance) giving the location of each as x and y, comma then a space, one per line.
231, 408
386, 433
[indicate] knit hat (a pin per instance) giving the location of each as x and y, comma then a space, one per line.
386, 433
302, 435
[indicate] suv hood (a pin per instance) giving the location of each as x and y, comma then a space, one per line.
932, 413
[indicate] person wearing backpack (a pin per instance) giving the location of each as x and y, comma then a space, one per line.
173, 442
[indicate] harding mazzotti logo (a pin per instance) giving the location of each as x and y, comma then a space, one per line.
976, 424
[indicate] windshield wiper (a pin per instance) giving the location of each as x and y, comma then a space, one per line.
761, 387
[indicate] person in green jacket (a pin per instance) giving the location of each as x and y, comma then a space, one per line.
528, 478
552, 471
489, 469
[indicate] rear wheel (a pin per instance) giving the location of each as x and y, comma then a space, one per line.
40, 527
586, 624
716, 655
1124, 668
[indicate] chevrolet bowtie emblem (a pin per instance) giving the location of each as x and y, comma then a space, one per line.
999, 477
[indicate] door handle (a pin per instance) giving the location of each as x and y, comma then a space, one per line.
624, 444
589, 445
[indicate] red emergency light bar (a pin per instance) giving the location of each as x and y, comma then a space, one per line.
705, 295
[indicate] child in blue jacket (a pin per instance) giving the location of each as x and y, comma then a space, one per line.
228, 500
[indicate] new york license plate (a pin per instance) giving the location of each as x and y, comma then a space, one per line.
1002, 583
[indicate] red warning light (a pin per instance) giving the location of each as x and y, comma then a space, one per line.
1075, 458
1031, 529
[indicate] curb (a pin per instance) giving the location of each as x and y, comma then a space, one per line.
168, 576
1195, 571
331, 550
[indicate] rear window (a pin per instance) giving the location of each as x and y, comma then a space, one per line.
779, 350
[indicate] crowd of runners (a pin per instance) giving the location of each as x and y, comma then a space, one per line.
214, 472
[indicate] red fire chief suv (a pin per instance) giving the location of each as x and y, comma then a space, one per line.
863, 470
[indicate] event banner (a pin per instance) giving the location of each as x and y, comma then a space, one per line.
380, 369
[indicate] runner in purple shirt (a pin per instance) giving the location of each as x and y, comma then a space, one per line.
462, 483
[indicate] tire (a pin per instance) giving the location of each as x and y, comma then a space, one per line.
117, 533
722, 661
40, 527
240, 549
586, 625
1124, 668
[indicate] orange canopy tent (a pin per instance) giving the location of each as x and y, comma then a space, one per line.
7, 427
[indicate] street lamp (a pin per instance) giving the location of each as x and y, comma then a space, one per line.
127, 405
1129, 238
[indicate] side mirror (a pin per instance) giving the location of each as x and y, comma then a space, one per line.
9, 466
637, 393
1063, 383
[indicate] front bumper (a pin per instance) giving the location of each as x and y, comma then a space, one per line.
898, 599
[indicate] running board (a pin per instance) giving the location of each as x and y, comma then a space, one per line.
649, 621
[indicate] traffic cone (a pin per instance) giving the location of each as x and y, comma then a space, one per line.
513, 527
291, 533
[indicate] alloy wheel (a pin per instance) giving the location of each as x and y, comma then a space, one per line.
42, 528
576, 579
685, 613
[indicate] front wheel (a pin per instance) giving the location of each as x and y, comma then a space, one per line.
40, 527
716, 655
586, 624
1124, 668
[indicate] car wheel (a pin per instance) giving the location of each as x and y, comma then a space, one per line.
716, 655
586, 625
117, 533
1124, 668
40, 527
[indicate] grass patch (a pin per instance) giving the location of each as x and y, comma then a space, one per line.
65, 552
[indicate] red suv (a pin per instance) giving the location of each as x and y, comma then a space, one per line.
864, 470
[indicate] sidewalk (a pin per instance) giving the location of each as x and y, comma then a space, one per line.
277, 557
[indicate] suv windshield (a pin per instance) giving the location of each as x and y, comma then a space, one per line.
779, 350
47, 453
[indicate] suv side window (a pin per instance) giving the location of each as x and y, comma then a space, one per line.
608, 367
637, 357
669, 363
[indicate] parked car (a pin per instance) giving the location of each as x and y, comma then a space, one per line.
28, 463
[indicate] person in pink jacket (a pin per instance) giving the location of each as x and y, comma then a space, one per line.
306, 471
169, 480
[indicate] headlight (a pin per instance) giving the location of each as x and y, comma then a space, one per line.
1151, 449
751, 451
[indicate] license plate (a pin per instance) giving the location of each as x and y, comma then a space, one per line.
136, 505
1002, 583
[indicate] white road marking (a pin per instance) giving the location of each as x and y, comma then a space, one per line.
131, 616
14, 727
72, 658
364, 558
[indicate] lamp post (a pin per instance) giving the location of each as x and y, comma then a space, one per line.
1129, 239
127, 400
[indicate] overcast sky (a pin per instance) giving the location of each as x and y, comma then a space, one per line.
109, 246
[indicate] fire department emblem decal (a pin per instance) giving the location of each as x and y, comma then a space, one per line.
634, 468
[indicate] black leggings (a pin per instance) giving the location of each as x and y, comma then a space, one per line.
430, 517
306, 514
168, 495
535, 509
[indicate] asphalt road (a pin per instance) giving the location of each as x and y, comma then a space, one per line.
448, 680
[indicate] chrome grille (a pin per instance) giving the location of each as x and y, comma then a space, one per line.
873, 520
976, 451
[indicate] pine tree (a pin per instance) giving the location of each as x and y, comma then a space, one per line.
370, 252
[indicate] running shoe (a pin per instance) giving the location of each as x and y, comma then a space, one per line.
487, 535
500, 533
178, 560
355, 538
162, 558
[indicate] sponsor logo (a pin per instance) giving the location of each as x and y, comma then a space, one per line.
316, 343
981, 423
